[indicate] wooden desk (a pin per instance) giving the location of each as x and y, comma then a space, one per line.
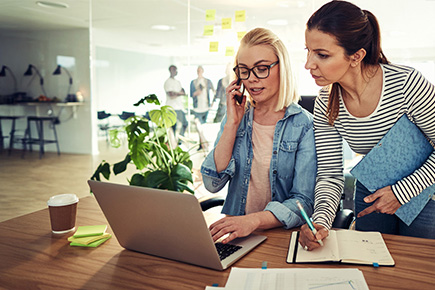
33, 258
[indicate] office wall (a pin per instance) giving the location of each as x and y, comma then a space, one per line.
123, 77
43, 49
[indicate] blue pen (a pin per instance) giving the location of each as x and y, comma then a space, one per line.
307, 219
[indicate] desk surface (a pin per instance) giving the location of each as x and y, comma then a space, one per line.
31, 257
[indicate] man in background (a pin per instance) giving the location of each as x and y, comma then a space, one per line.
174, 98
200, 92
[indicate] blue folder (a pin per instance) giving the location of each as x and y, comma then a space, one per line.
398, 154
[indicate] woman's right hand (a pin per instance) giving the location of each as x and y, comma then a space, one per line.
235, 110
306, 238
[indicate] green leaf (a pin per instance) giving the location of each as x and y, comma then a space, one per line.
165, 117
182, 172
114, 139
176, 181
104, 169
138, 180
151, 99
122, 165
156, 178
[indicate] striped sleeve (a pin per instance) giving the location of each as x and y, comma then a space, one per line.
330, 181
420, 97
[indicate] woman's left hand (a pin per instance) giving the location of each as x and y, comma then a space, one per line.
384, 202
235, 226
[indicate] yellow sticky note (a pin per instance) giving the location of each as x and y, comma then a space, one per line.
229, 51
240, 16
226, 23
208, 29
240, 35
214, 45
210, 14
86, 231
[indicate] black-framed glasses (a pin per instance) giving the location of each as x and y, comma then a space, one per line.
260, 71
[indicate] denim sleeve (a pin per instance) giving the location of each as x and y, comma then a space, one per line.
304, 182
214, 181
192, 89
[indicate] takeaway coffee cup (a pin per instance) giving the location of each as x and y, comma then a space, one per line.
63, 210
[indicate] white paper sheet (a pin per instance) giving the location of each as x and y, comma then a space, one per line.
295, 278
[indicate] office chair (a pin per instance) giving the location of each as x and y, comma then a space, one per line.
125, 115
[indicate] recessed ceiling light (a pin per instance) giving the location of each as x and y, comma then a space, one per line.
47, 4
162, 27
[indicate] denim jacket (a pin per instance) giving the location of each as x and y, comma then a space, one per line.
292, 172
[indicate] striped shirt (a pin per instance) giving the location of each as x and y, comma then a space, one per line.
405, 91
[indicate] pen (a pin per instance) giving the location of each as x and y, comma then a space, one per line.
307, 219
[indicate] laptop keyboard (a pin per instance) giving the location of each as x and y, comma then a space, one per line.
224, 250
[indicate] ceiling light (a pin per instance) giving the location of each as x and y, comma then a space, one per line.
47, 4
162, 27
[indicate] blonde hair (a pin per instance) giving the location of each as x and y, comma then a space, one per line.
287, 84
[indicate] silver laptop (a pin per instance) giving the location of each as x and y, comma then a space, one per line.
166, 224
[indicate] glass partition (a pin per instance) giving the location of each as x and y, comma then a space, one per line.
135, 42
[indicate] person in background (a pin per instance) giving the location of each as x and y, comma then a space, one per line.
174, 98
221, 96
363, 95
265, 147
200, 92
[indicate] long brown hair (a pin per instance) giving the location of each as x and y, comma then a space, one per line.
353, 29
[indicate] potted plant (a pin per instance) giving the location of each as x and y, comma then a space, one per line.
159, 163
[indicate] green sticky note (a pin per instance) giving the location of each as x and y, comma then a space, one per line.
93, 244
88, 240
86, 231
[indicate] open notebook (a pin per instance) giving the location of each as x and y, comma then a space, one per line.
343, 246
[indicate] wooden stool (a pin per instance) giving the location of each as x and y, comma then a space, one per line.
39, 123
11, 132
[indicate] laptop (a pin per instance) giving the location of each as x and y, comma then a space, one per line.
166, 224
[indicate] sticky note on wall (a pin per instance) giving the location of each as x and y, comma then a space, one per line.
226, 23
214, 45
208, 30
229, 51
210, 14
240, 35
240, 16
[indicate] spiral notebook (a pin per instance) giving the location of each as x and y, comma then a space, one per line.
398, 154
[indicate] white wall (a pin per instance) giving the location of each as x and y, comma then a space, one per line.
123, 77
41, 49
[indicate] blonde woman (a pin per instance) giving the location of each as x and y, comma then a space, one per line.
265, 147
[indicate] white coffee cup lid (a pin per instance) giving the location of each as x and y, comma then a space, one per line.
62, 199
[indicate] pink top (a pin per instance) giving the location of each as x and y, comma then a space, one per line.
259, 194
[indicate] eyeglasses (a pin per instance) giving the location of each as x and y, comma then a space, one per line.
260, 71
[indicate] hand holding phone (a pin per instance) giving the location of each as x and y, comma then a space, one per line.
239, 97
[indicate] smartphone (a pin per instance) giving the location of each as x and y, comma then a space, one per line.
239, 98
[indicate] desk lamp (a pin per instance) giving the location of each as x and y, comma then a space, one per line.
41, 79
3, 74
58, 71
